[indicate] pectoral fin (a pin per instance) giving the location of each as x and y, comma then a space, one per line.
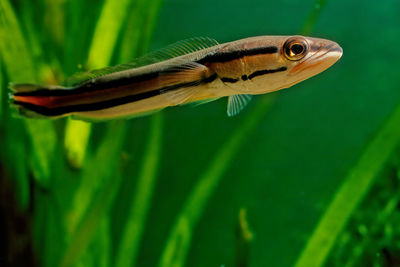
236, 103
180, 84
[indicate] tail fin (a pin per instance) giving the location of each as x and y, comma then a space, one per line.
31, 100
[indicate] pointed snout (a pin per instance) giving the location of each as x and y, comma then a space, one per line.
333, 50
323, 47
330, 53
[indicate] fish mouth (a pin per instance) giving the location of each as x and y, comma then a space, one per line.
323, 57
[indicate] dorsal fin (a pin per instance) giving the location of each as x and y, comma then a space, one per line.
18, 88
174, 50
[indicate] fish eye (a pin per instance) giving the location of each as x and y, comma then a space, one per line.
295, 48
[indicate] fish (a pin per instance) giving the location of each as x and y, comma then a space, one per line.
197, 70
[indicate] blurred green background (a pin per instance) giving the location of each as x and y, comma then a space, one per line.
307, 176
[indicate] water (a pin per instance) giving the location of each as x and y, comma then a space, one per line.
286, 170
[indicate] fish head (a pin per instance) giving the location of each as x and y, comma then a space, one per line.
306, 57
297, 59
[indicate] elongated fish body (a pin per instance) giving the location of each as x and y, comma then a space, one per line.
194, 70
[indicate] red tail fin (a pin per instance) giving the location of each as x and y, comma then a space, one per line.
28, 100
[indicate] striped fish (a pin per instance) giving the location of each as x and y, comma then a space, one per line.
195, 70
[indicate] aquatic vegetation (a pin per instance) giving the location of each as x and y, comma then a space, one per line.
307, 177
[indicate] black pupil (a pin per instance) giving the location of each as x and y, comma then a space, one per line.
297, 49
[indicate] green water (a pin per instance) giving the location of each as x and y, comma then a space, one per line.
314, 167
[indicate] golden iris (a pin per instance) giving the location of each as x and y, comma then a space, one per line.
295, 48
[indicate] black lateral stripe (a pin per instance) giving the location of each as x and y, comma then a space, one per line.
229, 80
263, 72
110, 103
232, 55
209, 79
91, 86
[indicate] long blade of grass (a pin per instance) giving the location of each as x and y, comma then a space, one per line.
2, 91
102, 244
54, 20
105, 243
13, 148
112, 18
13, 46
20, 68
351, 192
101, 169
75, 141
86, 230
135, 224
313, 16
108, 27
179, 239
135, 41
137, 34
96, 173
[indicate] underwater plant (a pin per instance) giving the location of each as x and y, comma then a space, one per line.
305, 177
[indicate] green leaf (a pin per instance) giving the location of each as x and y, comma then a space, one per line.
54, 20
352, 191
77, 135
97, 172
313, 16
43, 139
136, 216
47, 229
106, 33
100, 248
12, 47
139, 28
2, 91
91, 203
